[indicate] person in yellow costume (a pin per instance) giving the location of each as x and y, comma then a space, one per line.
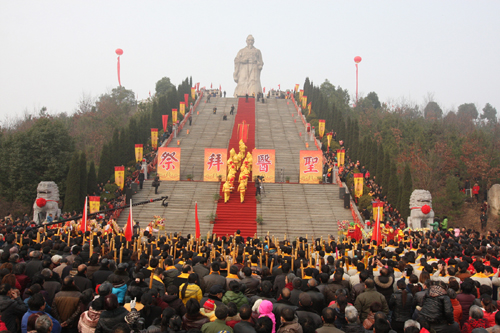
231, 183
232, 152
242, 188
229, 164
236, 161
250, 160
226, 188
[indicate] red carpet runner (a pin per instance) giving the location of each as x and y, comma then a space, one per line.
235, 215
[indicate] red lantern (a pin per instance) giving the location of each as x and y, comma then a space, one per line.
426, 209
357, 59
368, 223
119, 52
41, 202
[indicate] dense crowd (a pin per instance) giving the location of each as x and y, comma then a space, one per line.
436, 281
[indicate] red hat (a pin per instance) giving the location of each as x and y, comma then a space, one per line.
209, 305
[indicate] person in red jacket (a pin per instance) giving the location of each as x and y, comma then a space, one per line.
475, 191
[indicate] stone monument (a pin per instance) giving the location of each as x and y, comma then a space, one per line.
47, 202
247, 67
494, 200
421, 209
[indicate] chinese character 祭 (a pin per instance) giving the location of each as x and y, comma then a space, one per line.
167, 160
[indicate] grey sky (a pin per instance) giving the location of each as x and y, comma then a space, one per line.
53, 52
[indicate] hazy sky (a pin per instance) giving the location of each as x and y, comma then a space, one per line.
54, 52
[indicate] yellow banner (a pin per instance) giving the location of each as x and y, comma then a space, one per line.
311, 166
340, 157
321, 129
182, 108
174, 116
378, 208
94, 203
301, 93
120, 176
358, 185
169, 163
193, 93
329, 139
309, 107
215, 164
139, 151
264, 164
154, 138
304, 102
296, 87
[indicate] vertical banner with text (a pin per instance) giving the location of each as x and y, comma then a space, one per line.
182, 108
186, 99
301, 93
120, 176
94, 203
169, 163
264, 164
164, 120
321, 128
296, 87
139, 152
311, 166
154, 138
304, 102
193, 93
215, 164
340, 157
174, 116
358, 185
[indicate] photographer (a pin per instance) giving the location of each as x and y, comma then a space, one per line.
258, 181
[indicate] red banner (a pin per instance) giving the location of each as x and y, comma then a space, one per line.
164, 119
243, 129
186, 99
169, 163
311, 166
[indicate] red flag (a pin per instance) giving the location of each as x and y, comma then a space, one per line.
129, 228
210, 85
150, 93
197, 222
264, 90
164, 118
220, 89
83, 225
186, 98
279, 86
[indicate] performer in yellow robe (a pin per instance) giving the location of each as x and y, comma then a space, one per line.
242, 188
226, 188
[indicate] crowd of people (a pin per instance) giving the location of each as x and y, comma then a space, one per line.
428, 281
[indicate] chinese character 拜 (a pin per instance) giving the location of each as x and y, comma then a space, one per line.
167, 160
309, 162
215, 160
263, 161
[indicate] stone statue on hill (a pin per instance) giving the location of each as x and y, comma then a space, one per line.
419, 216
247, 67
47, 199
494, 200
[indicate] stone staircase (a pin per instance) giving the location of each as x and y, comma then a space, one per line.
291, 208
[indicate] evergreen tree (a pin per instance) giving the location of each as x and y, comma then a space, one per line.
386, 173
355, 140
380, 164
373, 157
91, 180
72, 197
104, 165
348, 138
83, 178
114, 150
393, 192
406, 193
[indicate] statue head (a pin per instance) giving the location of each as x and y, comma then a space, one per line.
419, 198
250, 40
48, 190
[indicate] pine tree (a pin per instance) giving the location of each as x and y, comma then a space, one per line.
355, 140
406, 192
348, 140
386, 173
373, 157
380, 164
83, 178
91, 180
114, 149
72, 197
393, 192
104, 165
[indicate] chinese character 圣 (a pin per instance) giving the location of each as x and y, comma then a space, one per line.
309, 162
263, 161
167, 160
215, 160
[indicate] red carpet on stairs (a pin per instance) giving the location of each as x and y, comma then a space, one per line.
235, 215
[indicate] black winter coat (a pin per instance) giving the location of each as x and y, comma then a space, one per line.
10, 309
399, 312
109, 319
437, 308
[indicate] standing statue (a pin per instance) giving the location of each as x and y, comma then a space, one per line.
47, 198
421, 215
247, 67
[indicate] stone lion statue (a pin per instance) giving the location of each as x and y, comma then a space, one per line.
47, 198
419, 218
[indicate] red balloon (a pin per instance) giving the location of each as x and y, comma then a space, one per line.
41, 202
426, 209
368, 223
357, 59
120, 52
